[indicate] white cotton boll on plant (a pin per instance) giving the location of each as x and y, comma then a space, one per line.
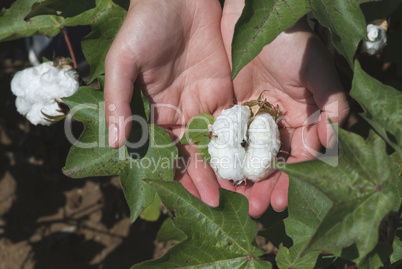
376, 39
23, 106
35, 115
37, 89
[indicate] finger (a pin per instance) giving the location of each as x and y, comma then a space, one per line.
120, 74
180, 171
305, 146
244, 188
188, 184
320, 77
260, 196
231, 13
226, 184
203, 178
279, 196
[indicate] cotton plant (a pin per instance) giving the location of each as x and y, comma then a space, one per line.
39, 90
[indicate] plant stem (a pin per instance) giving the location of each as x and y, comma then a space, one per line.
70, 48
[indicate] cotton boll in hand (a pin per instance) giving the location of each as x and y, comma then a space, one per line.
244, 143
227, 134
39, 89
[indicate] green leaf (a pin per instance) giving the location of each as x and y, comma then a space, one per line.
397, 246
104, 29
259, 24
90, 155
220, 237
138, 193
197, 129
13, 25
65, 9
398, 170
198, 133
377, 257
382, 105
169, 233
156, 164
355, 188
291, 258
152, 212
262, 21
307, 209
73, 12
346, 22
104, 16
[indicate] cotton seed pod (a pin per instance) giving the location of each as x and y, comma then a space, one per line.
39, 89
244, 143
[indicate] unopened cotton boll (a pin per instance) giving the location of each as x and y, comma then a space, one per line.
242, 147
376, 39
39, 88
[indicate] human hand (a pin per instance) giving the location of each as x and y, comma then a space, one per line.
296, 73
174, 49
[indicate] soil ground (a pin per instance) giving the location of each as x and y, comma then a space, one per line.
48, 220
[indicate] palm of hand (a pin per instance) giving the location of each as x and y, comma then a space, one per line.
177, 55
278, 73
295, 73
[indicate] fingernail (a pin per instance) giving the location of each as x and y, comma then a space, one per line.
113, 134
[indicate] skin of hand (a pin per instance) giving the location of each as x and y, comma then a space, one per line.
295, 72
174, 50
